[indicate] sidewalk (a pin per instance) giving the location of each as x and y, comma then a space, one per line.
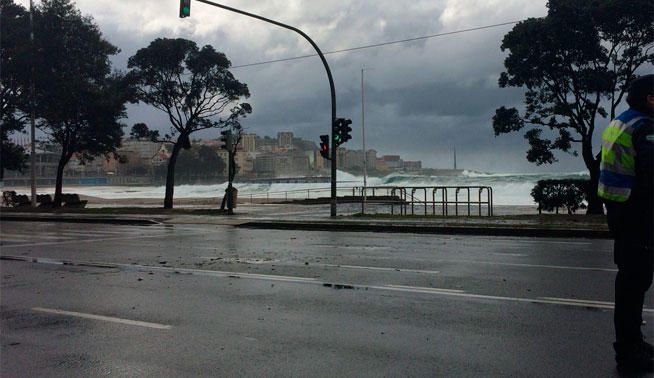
303, 217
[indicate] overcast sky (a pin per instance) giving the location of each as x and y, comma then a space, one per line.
422, 98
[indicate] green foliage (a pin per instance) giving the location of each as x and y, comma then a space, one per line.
78, 101
14, 82
583, 53
572, 64
13, 157
15, 62
554, 194
141, 131
507, 120
193, 86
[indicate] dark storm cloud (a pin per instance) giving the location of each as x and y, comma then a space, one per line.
446, 99
422, 97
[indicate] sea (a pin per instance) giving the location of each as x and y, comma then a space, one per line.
507, 188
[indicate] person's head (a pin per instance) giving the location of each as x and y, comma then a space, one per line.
641, 94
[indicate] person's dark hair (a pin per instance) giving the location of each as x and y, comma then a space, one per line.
639, 89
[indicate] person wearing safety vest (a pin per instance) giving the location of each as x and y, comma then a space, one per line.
626, 186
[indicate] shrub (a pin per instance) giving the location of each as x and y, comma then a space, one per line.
554, 194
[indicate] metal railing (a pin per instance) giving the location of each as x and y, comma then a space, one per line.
288, 195
435, 198
402, 200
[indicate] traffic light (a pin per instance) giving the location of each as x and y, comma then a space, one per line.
337, 131
184, 8
345, 130
342, 131
324, 146
226, 138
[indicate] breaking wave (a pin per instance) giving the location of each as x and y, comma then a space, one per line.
508, 188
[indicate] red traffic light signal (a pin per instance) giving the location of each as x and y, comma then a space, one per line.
324, 146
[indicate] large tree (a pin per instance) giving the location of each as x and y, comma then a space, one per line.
14, 82
574, 65
195, 89
79, 100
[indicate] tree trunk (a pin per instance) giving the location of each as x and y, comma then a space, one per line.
63, 160
595, 205
170, 175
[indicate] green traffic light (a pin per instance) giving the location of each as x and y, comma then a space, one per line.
184, 8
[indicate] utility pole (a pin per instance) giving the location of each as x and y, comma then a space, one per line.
33, 114
329, 77
363, 141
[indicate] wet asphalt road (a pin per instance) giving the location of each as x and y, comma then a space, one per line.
222, 301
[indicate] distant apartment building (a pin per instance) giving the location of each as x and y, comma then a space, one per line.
412, 166
249, 143
319, 163
393, 162
285, 139
264, 165
354, 160
371, 159
46, 168
243, 160
291, 165
89, 168
136, 157
142, 149
282, 165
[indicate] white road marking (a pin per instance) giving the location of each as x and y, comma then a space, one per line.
74, 234
17, 237
103, 318
12, 240
539, 241
94, 232
361, 267
94, 240
543, 300
213, 273
509, 254
377, 268
533, 265
419, 289
48, 236
395, 288
362, 247
577, 300
44, 260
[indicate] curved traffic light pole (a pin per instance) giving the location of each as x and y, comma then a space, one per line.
329, 76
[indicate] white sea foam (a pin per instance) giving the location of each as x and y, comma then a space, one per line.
508, 189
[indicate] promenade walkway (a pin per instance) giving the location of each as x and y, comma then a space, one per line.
303, 217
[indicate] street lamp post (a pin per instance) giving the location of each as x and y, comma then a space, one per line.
32, 116
331, 86
363, 142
